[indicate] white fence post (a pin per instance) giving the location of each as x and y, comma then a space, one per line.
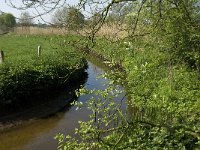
39, 51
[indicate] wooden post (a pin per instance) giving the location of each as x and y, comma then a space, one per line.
39, 51
1, 56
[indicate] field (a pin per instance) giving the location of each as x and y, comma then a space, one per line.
23, 74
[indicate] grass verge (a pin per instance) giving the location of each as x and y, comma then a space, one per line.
23, 74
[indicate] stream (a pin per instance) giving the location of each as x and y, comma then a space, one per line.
39, 134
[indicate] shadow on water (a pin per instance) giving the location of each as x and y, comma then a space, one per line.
39, 134
44, 106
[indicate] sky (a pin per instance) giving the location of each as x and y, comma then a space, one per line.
4, 7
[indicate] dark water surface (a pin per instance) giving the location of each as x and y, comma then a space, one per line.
38, 135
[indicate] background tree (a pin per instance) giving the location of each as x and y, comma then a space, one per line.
7, 22
119, 11
94, 20
69, 17
25, 19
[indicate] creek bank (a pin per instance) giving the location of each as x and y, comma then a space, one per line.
37, 112
116, 69
106, 61
46, 105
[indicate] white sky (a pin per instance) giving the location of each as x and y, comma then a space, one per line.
4, 7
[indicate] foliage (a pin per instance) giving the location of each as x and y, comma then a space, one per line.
174, 24
161, 76
69, 17
95, 19
119, 11
181, 40
110, 127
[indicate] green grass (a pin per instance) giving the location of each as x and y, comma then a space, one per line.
23, 73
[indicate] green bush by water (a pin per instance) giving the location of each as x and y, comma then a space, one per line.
163, 105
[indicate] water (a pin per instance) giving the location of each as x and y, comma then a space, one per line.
38, 135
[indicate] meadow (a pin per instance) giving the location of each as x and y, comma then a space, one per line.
24, 75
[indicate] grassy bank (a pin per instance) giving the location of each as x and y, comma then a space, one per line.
23, 74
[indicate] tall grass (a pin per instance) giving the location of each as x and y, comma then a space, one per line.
110, 30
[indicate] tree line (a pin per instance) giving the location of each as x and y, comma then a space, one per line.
69, 17
8, 21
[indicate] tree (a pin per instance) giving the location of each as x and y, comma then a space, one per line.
69, 17
94, 19
25, 19
7, 21
119, 11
